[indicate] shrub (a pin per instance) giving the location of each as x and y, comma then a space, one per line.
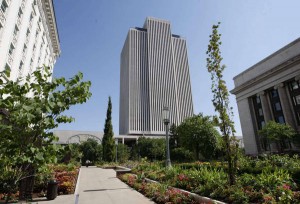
123, 153
181, 155
153, 149
160, 193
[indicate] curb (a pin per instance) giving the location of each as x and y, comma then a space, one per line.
76, 193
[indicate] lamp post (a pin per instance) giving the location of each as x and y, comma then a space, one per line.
166, 119
116, 143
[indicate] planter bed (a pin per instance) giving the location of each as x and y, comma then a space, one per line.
276, 186
161, 193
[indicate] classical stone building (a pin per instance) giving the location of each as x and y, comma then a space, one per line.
154, 73
28, 36
269, 90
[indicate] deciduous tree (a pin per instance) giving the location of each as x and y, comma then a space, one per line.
199, 135
31, 108
221, 99
278, 133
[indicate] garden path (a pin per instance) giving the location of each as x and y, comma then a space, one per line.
100, 186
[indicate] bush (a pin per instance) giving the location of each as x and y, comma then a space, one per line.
153, 149
159, 193
123, 153
91, 151
181, 155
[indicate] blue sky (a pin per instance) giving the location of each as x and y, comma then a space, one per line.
92, 33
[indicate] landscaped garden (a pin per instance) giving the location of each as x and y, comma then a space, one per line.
269, 179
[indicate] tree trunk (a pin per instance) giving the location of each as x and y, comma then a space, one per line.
26, 184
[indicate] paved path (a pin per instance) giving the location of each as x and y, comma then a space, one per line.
100, 186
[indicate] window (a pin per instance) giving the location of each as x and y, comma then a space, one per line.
16, 30
4, 6
259, 115
257, 99
280, 120
7, 67
31, 16
1, 29
276, 106
11, 49
260, 112
28, 32
297, 100
20, 13
294, 85
21, 66
274, 93
24, 48
294, 89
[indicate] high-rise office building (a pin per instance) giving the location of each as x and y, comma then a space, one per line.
154, 73
28, 36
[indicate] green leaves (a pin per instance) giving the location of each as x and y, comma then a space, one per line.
221, 98
278, 133
32, 108
107, 141
199, 134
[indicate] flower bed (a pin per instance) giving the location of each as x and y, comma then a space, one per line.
66, 179
159, 193
270, 185
65, 175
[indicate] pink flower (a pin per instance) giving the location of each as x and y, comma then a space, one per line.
286, 187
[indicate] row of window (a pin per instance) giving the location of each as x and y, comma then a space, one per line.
274, 99
294, 89
3, 9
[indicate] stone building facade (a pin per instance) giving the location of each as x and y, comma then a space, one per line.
269, 90
28, 36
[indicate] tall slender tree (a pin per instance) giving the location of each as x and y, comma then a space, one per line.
221, 99
107, 141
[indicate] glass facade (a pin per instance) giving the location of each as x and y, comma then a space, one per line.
260, 120
294, 88
276, 106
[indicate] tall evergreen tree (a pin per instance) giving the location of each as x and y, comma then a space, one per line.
221, 100
108, 141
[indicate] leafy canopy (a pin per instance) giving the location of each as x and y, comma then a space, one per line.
277, 132
221, 100
29, 109
198, 134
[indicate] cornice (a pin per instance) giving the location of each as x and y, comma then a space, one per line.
274, 71
269, 57
49, 14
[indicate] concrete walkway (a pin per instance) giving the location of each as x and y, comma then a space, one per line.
100, 186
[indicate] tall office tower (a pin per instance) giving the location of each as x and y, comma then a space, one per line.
154, 73
28, 36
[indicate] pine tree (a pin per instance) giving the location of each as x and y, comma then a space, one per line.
221, 100
107, 141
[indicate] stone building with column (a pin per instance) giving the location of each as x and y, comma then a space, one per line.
269, 90
28, 36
